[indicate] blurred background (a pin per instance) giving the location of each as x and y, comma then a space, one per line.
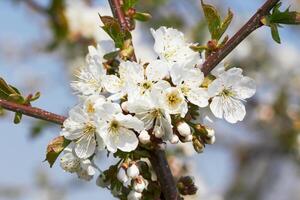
42, 43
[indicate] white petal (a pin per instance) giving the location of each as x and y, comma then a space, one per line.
157, 70
112, 83
107, 110
215, 87
109, 140
129, 121
198, 96
127, 140
131, 72
234, 110
216, 106
85, 146
245, 88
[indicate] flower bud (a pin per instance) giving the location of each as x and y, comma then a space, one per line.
174, 139
157, 132
139, 184
133, 171
186, 186
184, 129
122, 176
144, 137
210, 132
211, 140
133, 195
124, 106
188, 138
197, 144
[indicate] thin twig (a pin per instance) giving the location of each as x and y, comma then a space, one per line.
254, 23
32, 112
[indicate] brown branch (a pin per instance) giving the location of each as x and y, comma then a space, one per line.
32, 112
254, 23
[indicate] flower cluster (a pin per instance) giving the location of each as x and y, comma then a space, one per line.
147, 103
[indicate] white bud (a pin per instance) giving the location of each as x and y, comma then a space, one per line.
139, 184
157, 132
144, 137
188, 138
121, 176
133, 195
211, 140
210, 132
83, 174
184, 129
175, 139
124, 106
133, 171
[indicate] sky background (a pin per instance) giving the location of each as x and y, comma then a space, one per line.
22, 157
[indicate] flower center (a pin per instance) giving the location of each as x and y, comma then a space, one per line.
173, 99
89, 129
114, 126
184, 89
90, 107
146, 85
227, 93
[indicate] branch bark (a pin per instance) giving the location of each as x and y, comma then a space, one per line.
33, 112
254, 23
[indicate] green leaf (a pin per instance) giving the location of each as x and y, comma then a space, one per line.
114, 30
54, 148
216, 26
213, 19
142, 16
111, 55
275, 33
225, 24
285, 17
129, 4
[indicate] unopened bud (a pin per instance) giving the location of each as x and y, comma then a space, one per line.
139, 184
211, 140
133, 171
197, 144
144, 137
133, 195
157, 132
210, 132
186, 186
184, 129
188, 138
121, 176
175, 139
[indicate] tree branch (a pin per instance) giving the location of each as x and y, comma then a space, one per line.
33, 112
254, 23
158, 157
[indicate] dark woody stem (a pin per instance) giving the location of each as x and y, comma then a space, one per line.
254, 23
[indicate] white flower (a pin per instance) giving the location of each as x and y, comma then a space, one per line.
96, 55
184, 129
91, 102
175, 139
153, 114
83, 167
189, 82
118, 85
133, 195
144, 137
122, 176
116, 129
171, 45
173, 101
89, 80
133, 171
80, 128
228, 92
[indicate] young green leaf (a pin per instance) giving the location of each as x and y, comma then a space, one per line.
213, 19
54, 148
275, 33
142, 16
18, 117
129, 4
